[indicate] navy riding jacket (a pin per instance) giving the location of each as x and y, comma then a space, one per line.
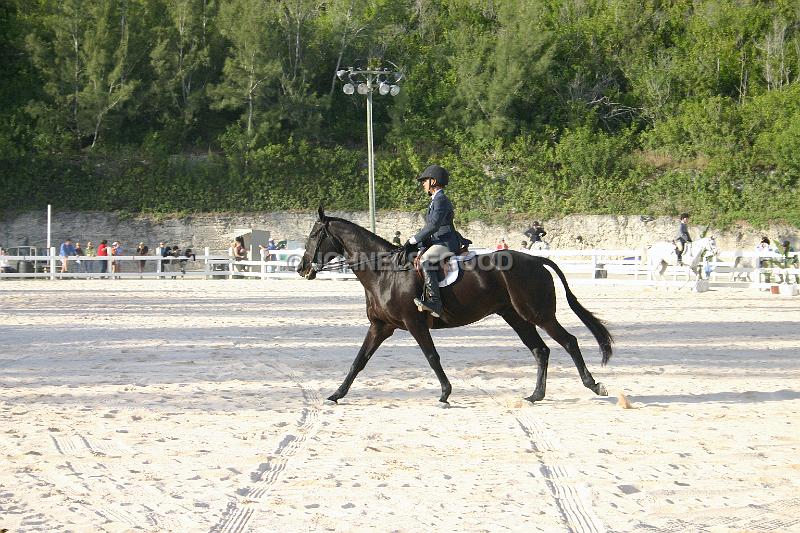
439, 224
683, 233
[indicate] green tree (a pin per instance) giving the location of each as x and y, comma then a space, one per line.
181, 62
252, 66
81, 50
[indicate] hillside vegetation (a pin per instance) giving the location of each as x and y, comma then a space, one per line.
538, 107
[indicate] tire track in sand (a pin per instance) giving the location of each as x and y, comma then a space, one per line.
574, 500
240, 511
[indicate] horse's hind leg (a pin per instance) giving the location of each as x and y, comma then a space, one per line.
378, 332
570, 344
531, 338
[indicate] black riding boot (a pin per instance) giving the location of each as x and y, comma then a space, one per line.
430, 300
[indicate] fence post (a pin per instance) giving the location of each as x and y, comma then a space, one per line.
230, 263
52, 263
642, 261
206, 252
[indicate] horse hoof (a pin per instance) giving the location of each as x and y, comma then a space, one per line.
444, 405
332, 400
534, 399
601, 390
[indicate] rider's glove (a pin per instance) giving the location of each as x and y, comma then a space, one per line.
408, 248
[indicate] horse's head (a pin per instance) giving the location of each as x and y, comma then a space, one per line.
710, 245
321, 247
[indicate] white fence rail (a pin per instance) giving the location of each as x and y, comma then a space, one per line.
623, 266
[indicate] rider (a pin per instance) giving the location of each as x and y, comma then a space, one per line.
535, 232
683, 237
438, 237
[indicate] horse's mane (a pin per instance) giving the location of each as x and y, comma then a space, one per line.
363, 233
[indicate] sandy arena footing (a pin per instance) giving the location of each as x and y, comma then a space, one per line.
197, 406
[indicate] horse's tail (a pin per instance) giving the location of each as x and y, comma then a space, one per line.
595, 325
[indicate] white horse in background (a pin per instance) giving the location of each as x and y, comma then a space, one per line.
663, 253
539, 245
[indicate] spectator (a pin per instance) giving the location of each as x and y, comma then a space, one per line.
535, 232
163, 251
102, 252
790, 259
79, 253
90, 252
267, 253
397, 241
523, 245
187, 254
5, 267
764, 248
764, 245
142, 249
239, 252
765, 256
67, 250
263, 253
502, 245
116, 249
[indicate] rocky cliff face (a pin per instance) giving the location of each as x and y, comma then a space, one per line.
216, 230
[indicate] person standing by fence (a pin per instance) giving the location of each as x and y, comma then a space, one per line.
163, 251
90, 252
102, 253
116, 249
790, 260
239, 253
79, 253
5, 266
67, 250
142, 249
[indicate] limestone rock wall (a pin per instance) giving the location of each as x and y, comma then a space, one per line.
215, 230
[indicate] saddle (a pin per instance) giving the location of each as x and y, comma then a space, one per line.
450, 269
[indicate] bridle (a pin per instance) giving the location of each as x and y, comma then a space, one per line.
323, 234
337, 265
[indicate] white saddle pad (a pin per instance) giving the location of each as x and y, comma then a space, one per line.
455, 268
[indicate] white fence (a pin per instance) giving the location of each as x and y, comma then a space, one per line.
282, 264
625, 266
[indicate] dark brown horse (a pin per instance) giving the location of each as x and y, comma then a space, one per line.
515, 285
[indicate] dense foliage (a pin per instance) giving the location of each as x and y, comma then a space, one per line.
538, 107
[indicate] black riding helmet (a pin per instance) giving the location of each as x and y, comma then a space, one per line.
437, 173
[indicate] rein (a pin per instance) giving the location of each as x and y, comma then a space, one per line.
336, 265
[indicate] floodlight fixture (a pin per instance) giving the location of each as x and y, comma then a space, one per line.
365, 82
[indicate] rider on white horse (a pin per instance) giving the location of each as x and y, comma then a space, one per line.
683, 237
535, 234
664, 253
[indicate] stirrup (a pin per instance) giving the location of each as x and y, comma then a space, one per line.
422, 306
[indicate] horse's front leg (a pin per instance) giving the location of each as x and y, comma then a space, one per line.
378, 332
419, 330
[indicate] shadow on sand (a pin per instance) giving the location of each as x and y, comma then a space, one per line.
713, 397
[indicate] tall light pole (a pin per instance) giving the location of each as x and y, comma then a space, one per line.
365, 82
